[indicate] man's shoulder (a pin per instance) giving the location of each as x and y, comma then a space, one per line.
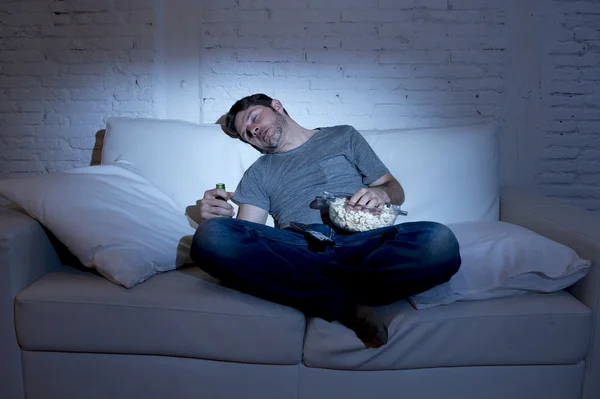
256, 166
338, 128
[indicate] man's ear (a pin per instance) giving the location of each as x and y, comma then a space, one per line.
276, 104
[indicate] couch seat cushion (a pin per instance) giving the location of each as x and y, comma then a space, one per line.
179, 313
530, 329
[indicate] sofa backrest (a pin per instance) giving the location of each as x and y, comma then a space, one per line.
449, 175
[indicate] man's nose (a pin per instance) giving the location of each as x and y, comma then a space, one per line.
254, 130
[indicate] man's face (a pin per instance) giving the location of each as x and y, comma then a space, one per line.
261, 126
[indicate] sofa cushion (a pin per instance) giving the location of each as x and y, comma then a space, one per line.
450, 175
181, 313
531, 329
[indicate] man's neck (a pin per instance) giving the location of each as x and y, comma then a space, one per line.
294, 137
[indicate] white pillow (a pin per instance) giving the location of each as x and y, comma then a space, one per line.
462, 185
501, 259
110, 217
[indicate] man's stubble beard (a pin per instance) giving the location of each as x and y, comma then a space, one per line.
278, 128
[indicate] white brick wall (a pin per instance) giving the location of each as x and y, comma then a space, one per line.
374, 64
569, 161
67, 65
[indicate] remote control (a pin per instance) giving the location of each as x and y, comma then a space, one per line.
314, 238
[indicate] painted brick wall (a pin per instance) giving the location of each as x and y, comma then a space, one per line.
65, 66
370, 63
569, 161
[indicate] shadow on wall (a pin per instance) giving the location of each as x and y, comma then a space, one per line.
97, 150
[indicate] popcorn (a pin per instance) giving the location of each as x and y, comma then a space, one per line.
358, 218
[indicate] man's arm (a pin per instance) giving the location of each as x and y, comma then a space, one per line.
215, 204
252, 213
385, 189
392, 188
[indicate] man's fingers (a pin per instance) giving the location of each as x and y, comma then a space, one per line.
209, 194
220, 193
370, 197
208, 215
216, 207
366, 198
212, 212
219, 210
217, 203
214, 204
373, 202
357, 196
217, 193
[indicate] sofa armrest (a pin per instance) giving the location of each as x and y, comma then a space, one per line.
26, 254
578, 229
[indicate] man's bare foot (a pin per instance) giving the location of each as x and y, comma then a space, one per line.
368, 326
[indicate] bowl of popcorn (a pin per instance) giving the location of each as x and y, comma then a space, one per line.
354, 217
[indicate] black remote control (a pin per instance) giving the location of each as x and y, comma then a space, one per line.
316, 240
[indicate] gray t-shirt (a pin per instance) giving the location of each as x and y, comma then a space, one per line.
336, 159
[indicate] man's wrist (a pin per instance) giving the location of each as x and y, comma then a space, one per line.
393, 193
385, 194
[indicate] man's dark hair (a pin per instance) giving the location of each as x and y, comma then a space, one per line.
242, 105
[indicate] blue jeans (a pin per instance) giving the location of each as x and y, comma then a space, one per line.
375, 267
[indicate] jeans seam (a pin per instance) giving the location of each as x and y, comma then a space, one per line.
359, 244
256, 232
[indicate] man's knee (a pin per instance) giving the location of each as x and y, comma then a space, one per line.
443, 250
211, 238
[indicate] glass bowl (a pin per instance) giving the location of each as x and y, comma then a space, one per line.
355, 218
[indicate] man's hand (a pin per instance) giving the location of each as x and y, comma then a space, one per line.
372, 197
214, 204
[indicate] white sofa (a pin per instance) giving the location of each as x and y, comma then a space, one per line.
69, 333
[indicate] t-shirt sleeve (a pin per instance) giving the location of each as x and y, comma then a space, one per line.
251, 190
366, 160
